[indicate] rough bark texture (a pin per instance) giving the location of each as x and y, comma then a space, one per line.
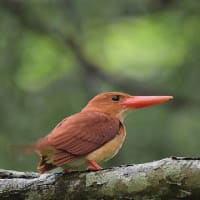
170, 178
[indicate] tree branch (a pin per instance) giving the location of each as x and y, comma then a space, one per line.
170, 178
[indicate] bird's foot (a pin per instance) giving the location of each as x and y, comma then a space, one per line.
93, 165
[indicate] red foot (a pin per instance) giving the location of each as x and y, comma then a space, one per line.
93, 165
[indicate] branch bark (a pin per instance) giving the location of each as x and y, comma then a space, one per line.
170, 178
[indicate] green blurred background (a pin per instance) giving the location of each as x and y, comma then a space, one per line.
56, 55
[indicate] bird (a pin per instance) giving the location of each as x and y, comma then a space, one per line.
93, 135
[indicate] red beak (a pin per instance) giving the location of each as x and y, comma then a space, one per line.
143, 101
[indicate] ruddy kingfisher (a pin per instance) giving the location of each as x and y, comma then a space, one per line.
95, 134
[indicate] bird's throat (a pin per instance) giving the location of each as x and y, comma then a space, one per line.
122, 114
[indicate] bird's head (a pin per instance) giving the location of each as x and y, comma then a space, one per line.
117, 104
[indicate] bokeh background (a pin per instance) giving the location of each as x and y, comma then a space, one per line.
57, 54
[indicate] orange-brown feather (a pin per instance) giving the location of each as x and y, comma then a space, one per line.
78, 135
110, 149
94, 134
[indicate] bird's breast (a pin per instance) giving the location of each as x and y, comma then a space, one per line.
109, 149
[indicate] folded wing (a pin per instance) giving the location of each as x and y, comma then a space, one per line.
81, 134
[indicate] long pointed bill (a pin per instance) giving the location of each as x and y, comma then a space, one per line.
143, 101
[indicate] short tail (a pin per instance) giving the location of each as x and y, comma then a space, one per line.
41, 147
28, 148
25, 148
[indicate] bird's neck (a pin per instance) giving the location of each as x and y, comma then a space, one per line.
120, 115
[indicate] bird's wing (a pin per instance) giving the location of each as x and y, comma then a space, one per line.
81, 134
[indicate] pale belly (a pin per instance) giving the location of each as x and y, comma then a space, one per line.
106, 152
110, 149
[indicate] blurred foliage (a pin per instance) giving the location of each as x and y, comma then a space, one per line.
56, 55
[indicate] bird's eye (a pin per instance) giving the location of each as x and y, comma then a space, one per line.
116, 98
